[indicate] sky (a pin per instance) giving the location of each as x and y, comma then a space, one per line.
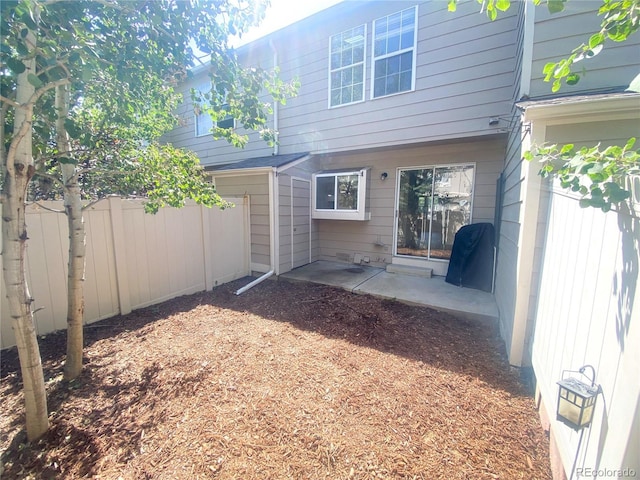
285, 12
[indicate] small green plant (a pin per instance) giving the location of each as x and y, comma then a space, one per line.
598, 175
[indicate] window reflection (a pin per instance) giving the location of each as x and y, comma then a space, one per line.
433, 203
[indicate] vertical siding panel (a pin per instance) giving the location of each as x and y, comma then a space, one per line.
95, 244
100, 278
48, 273
588, 294
230, 237
138, 272
36, 261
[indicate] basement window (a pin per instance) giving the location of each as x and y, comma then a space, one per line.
340, 195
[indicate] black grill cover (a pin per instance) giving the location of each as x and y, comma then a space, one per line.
471, 263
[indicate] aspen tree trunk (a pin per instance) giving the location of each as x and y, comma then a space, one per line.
18, 173
77, 245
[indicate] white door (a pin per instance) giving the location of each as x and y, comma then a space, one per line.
300, 222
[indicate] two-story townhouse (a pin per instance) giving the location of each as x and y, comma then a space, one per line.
410, 122
392, 143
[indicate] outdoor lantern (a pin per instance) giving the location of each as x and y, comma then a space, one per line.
577, 400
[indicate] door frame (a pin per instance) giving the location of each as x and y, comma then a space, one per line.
438, 265
307, 181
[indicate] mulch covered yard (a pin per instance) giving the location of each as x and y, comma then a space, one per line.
288, 380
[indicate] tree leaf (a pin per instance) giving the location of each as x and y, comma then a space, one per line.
34, 80
566, 148
555, 6
573, 79
87, 74
71, 128
16, 65
630, 143
29, 21
22, 48
67, 160
595, 40
503, 5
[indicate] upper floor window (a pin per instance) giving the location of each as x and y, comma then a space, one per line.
394, 42
346, 75
204, 122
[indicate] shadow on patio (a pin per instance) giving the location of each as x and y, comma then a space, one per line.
431, 292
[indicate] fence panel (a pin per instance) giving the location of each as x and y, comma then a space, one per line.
133, 259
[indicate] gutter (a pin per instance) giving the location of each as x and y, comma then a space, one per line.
584, 108
234, 172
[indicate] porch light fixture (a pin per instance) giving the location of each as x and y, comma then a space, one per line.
383, 176
576, 399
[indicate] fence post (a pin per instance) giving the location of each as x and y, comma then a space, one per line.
120, 254
205, 215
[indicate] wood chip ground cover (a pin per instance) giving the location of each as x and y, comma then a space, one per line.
288, 380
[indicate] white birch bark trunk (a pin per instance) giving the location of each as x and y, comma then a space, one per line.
18, 173
77, 245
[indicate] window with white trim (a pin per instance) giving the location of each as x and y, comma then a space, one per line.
394, 42
340, 195
347, 66
203, 121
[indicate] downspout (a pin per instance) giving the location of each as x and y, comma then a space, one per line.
258, 280
272, 235
276, 105
527, 49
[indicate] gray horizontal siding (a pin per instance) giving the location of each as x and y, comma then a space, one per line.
464, 76
616, 65
339, 238
464, 63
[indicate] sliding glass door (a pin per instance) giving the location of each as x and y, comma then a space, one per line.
433, 203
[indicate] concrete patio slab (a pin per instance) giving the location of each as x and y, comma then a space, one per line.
336, 274
431, 292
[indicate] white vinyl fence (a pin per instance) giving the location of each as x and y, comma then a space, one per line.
133, 259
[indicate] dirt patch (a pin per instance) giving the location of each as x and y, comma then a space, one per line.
289, 380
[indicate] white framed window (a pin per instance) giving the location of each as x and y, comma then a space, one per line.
347, 66
203, 122
394, 53
340, 195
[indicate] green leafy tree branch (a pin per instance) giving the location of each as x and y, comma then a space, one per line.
86, 91
598, 174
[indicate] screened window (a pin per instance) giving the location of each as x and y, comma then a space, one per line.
340, 195
204, 122
346, 75
394, 41
337, 191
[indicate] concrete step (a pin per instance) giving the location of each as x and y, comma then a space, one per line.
407, 270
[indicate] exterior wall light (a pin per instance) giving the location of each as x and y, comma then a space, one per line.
577, 400
383, 176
